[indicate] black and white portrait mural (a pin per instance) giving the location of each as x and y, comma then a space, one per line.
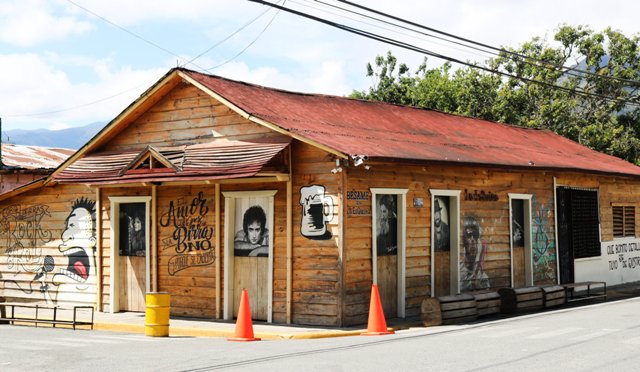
440, 223
252, 227
132, 229
317, 212
517, 222
472, 274
386, 224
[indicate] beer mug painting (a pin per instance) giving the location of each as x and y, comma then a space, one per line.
317, 210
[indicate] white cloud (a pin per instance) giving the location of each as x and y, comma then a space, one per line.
36, 94
30, 22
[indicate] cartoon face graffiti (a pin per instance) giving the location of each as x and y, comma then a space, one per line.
78, 246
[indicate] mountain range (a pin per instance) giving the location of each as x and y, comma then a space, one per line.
70, 138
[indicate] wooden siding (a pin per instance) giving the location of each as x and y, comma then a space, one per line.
32, 228
185, 116
492, 217
317, 275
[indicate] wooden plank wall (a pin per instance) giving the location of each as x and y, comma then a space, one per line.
492, 216
9, 181
31, 231
186, 249
316, 297
185, 116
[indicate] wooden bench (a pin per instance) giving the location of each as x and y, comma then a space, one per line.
487, 303
554, 295
594, 289
449, 310
13, 313
515, 300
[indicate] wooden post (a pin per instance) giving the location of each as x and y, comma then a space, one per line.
154, 238
98, 226
217, 248
289, 247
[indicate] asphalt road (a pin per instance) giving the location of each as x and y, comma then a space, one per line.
591, 338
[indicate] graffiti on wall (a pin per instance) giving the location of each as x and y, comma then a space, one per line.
472, 274
317, 212
78, 246
191, 237
25, 238
543, 245
23, 231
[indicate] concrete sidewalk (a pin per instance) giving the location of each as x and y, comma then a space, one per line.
135, 322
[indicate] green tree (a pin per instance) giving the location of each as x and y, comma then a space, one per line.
606, 117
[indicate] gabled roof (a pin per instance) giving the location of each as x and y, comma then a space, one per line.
218, 159
33, 157
398, 133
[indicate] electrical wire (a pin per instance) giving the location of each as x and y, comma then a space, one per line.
538, 62
404, 45
249, 45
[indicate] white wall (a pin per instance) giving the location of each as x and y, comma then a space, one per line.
618, 263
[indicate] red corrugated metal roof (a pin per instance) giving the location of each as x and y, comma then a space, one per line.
214, 160
33, 157
386, 131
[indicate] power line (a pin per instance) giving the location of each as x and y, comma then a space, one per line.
538, 62
408, 46
131, 32
251, 43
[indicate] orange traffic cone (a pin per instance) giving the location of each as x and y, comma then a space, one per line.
244, 327
377, 323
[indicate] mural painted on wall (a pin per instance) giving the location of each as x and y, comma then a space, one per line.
386, 225
75, 279
441, 223
472, 274
317, 212
253, 238
543, 245
191, 237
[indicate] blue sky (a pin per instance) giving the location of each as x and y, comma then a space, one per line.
63, 66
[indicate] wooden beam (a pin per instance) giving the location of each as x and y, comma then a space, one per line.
289, 249
217, 248
154, 238
258, 120
98, 227
224, 181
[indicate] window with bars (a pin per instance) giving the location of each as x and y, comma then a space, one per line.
624, 221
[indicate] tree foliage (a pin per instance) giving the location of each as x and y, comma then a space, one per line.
606, 117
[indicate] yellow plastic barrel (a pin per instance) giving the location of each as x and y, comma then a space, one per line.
157, 314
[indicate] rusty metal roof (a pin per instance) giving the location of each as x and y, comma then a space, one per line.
33, 157
392, 132
218, 159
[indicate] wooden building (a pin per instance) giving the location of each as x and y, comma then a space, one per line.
22, 164
204, 186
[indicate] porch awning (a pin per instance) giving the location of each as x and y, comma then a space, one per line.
218, 159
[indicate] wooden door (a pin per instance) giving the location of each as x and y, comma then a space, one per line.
442, 277
250, 273
519, 279
132, 283
388, 284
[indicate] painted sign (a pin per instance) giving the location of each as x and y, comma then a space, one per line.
191, 237
359, 205
619, 263
317, 212
480, 195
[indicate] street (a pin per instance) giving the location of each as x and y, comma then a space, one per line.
589, 338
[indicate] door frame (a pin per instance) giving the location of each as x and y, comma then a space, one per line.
454, 236
528, 253
401, 213
114, 223
229, 235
